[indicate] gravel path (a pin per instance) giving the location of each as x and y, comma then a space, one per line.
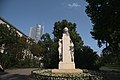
16, 74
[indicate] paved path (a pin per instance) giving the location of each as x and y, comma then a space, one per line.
16, 74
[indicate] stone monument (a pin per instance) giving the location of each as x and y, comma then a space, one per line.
66, 55
66, 51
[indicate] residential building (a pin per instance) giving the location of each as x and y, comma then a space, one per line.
3, 21
35, 33
20, 34
26, 52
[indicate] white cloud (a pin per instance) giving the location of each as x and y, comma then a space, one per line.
74, 5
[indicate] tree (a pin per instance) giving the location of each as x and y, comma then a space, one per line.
36, 49
88, 59
58, 31
105, 17
12, 46
49, 57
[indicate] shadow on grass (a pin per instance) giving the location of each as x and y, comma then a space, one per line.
7, 76
107, 75
3, 73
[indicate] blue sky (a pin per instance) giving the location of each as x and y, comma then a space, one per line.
26, 13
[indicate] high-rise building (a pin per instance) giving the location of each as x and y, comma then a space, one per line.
36, 32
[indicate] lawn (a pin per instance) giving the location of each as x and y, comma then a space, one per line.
110, 72
111, 68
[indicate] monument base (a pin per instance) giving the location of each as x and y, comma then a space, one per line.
63, 65
66, 71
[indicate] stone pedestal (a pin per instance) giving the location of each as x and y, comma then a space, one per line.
63, 65
67, 71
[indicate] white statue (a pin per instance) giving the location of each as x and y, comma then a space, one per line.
72, 51
60, 49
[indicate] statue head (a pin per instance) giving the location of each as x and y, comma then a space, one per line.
66, 29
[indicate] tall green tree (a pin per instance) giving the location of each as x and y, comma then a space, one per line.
35, 48
49, 57
105, 16
12, 44
89, 59
58, 31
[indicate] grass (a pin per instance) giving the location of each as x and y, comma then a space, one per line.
111, 68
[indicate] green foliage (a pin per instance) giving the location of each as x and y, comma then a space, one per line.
28, 63
14, 47
58, 30
50, 58
88, 59
105, 18
36, 49
104, 15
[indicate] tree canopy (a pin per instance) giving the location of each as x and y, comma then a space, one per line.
58, 31
13, 46
105, 16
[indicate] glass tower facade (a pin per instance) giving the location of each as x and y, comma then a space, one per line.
36, 32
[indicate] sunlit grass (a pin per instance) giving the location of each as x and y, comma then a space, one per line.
111, 68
